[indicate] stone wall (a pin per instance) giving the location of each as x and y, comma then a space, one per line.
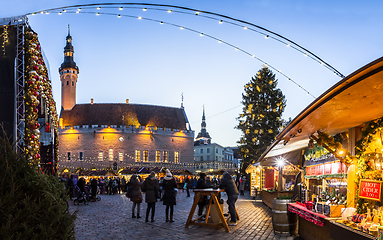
90, 141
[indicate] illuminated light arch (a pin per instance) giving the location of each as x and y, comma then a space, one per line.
210, 15
188, 29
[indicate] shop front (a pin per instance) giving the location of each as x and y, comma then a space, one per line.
341, 132
274, 177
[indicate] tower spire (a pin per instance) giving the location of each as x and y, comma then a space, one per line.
68, 75
203, 136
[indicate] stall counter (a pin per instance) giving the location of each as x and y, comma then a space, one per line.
269, 196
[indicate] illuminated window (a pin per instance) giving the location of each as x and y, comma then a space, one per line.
158, 156
165, 154
68, 155
110, 154
121, 156
145, 155
81, 156
100, 156
177, 157
138, 155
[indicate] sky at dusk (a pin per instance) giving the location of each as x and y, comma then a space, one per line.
152, 63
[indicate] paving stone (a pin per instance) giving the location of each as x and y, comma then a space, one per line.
110, 218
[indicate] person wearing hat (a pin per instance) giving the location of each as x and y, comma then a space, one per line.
201, 184
169, 199
231, 190
151, 187
135, 194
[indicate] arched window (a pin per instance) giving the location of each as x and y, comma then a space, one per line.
67, 82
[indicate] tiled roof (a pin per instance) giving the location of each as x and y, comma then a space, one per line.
125, 114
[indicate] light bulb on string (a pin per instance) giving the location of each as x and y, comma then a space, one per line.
121, 8
139, 17
98, 8
144, 9
118, 15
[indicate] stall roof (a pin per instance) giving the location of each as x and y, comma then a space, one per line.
354, 100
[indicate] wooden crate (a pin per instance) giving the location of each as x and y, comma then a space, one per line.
333, 210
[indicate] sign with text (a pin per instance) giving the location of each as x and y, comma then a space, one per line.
370, 189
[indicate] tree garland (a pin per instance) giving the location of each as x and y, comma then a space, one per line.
38, 98
369, 130
325, 140
334, 175
365, 162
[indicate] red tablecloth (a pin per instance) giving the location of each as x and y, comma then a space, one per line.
303, 212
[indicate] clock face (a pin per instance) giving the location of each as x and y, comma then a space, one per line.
121, 139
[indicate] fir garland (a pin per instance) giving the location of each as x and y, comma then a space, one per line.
335, 175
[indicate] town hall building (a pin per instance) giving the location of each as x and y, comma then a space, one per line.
118, 135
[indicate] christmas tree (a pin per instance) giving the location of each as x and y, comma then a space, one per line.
260, 121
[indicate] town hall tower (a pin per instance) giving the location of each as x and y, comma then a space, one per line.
68, 76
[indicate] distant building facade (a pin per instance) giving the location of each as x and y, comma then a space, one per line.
211, 157
119, 135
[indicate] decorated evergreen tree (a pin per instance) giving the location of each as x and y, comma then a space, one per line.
260, 121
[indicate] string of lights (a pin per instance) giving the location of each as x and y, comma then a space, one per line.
79, 10
210, 15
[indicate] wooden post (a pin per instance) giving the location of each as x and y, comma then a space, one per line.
351, 186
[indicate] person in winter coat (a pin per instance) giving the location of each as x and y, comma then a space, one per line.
242, 183
231, 190
201, 184
151, 187
189, 185
169, 198
135, 194
93, 186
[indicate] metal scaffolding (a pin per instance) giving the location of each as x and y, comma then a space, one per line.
19, 22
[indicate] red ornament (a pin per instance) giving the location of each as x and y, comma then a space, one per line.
35, 67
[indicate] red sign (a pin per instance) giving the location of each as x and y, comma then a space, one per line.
370, 189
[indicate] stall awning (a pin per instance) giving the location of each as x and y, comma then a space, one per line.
294, 157
354, 100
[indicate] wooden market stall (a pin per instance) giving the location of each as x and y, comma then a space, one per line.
272, 181
347, 121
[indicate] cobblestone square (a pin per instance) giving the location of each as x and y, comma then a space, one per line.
111, 218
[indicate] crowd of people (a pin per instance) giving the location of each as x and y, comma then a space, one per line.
163, 189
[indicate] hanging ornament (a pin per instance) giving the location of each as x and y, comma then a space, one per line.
256, 131
271, 82
270, 130
258, 88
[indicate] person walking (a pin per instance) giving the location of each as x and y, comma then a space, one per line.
188, 185
242, 183
93, 187
135, 194
231, 190
201, 184
169, 199
151, 189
